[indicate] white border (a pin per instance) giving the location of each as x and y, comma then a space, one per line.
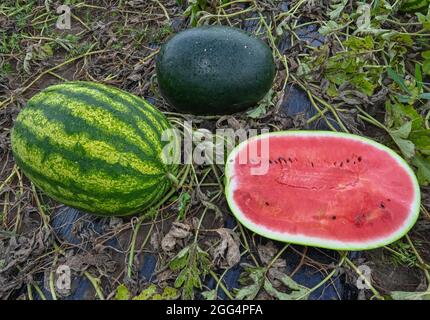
315, 241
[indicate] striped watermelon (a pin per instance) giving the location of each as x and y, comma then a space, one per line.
93, 147
414, 5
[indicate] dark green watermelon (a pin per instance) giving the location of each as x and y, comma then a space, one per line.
214, 70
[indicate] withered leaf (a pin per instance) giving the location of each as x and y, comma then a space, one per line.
177, 231
227, 252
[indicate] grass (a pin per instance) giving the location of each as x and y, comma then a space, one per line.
370, 76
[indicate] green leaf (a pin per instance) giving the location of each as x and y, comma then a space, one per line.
398, 79
406, 147
169, 293
425, 96
256, 277
261, 110
419, 77
256, 112
423, 165
359, 44
421, 18
426, 54
364, 85
400, 136
421, 139
151, 293
330, 27
122, 293
210, 294
388, 36
184, 200
147, 293
332, 90
303, 69
337, 9
353, 66
182, 277
193, 263
297, 292
402, 132
180, 260
424, 19
399, 113
426, 67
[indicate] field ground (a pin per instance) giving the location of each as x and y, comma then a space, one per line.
341, 65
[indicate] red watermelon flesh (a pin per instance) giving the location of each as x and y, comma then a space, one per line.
324, 189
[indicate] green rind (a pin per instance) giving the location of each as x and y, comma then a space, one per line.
214, 70
93, 147
313, 241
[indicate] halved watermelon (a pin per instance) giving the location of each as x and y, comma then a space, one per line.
323, 189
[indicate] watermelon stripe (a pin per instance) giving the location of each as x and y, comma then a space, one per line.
76, 188
47, 147
78, 121
155, 195
149, 111
118, 96
54, 153
117, 99
138, 104
124, 118
106, 205
72, 126
96, 167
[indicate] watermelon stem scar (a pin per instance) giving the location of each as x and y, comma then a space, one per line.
324, 189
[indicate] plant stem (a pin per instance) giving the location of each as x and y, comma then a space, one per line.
369, 285
222, 286
277, 256
422, 267
96, 284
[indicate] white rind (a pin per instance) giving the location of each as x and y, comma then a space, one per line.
315, 241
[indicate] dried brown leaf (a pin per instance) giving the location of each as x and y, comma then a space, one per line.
267, 252
227, 253
177, 231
